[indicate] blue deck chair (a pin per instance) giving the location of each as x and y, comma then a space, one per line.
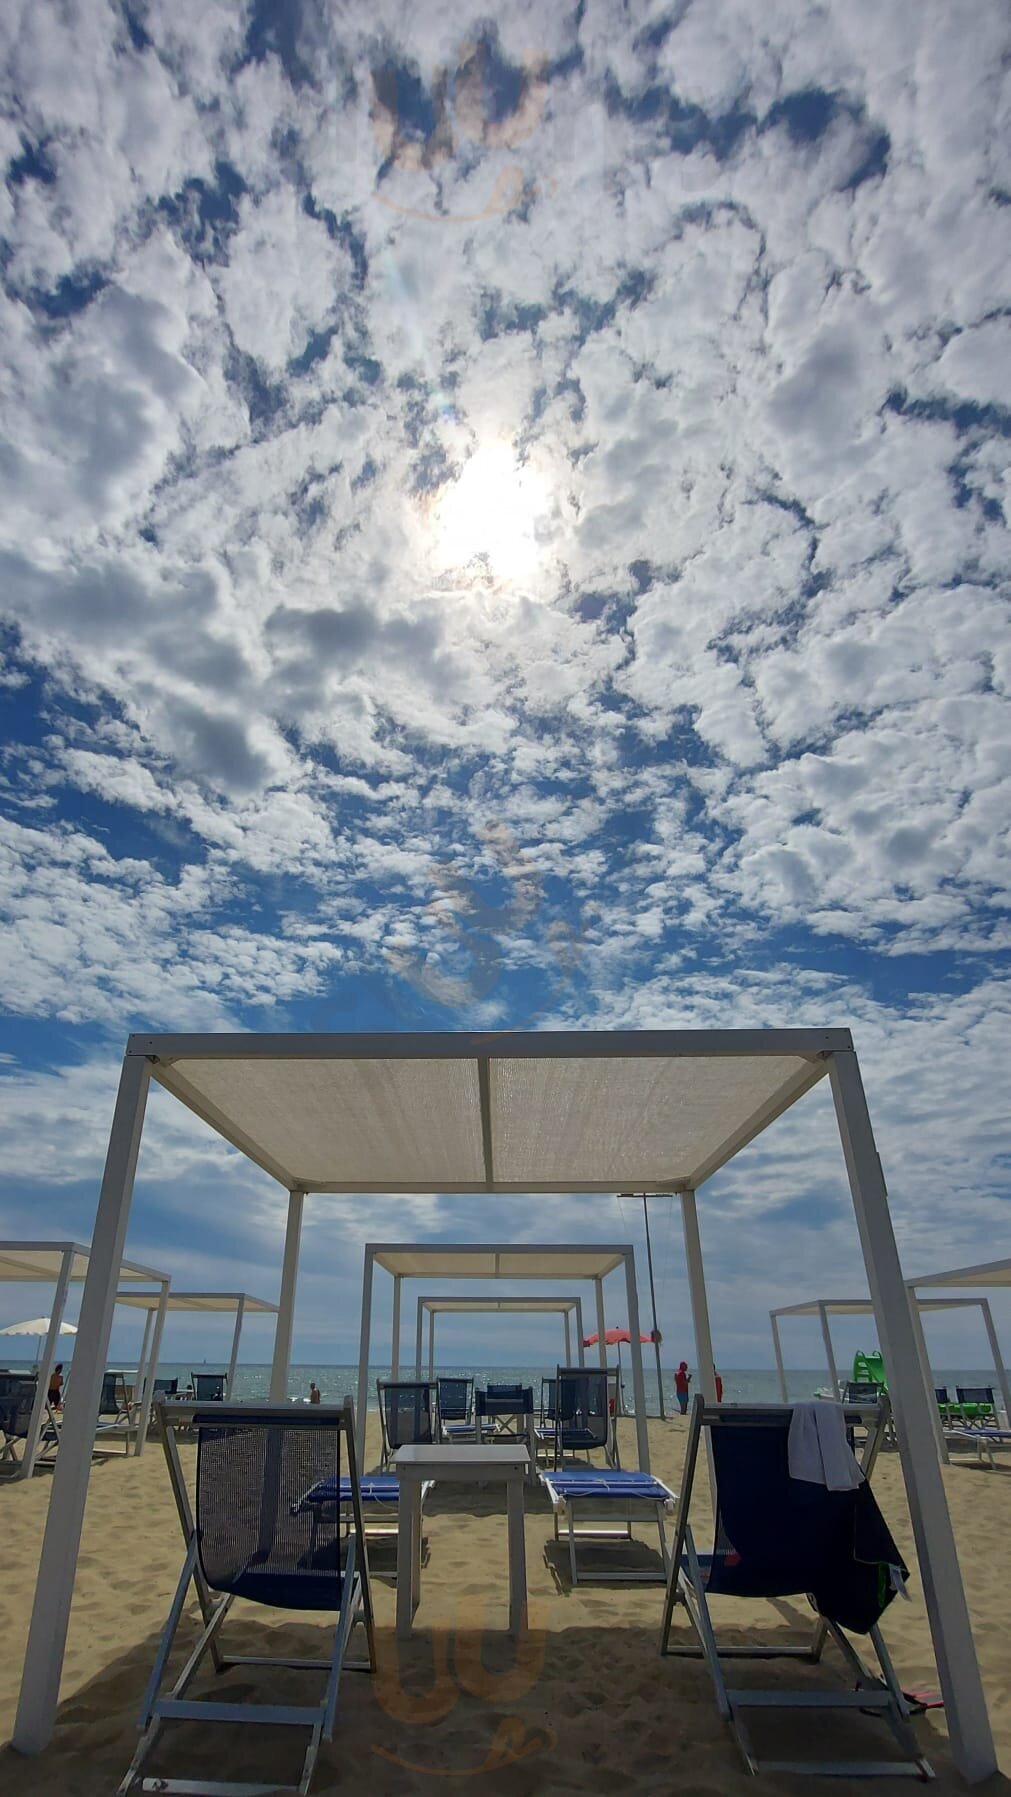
546, 1424
208, 1388
254, 1538
455, 1408
782, 1537
506, 1413
115, 1412
166, 1388
583, 1413
612, 1495
406, 1414
17, 1401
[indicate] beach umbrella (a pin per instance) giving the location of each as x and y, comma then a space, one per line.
37, 1326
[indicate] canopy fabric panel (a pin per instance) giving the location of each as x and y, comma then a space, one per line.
423, 1260
478, 1306
41, 1263
859, 1307
204, 1301
467, 1112
990, 1273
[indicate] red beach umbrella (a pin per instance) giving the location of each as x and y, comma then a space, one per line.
612, 1337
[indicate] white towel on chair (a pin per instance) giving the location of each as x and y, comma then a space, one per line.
818, 1451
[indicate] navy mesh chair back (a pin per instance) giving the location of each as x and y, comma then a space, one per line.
941, 1394
169, 1387
506, 1400
862, 1391
256, 1539
17, 1401
982, 1395
581, 1410
113, 1400
549, 1389
779, 1537
407, 1410
455, 1399
208, 1388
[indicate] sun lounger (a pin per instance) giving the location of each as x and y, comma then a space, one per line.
406, 1414
380, 1499
257, 1540
780, 1536
608, 1494
454, 1402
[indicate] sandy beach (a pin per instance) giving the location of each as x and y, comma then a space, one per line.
584, 1704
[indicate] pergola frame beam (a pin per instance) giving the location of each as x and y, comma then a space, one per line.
450, 1306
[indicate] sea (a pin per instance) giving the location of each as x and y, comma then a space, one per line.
740, 1386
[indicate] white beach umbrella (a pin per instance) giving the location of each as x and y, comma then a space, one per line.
38, 1326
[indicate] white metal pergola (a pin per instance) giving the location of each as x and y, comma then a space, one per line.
501, 1260
63, 1264
238, 1304
988, 1276
823, 1308
494, 1113
567, 1308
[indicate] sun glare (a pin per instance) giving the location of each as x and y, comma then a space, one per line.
492, 511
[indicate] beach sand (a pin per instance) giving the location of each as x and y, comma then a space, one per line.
585, 1704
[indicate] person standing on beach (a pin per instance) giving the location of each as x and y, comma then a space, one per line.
314, 1393
682, 1380
55, 1393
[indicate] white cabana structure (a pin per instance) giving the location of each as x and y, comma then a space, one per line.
503, 1260
567, 1308
988, 1276
823, 1308
237, 1304
493, 1113
63, 1264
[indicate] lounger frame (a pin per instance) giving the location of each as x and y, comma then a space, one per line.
598, 1507
356, 1604
686, 1587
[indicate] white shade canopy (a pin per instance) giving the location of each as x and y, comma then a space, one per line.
38, 1326
990, 1273
658, 1110
205, 1301
42, 1263
476, 1306
527, 1260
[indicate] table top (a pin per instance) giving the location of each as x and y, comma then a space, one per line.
459, 1457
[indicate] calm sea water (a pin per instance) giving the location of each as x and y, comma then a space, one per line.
740, 1387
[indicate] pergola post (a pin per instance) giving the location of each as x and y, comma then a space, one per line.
598, 1286
431, 1344
778, 1351
580, 1350
998, 1360
638, 1382
368, 1278
233, 1358
46, 1365
923, 1357
699, 1300
142, 1359
947, 1611
144, 1419
568, 1337
826, 1336
284, 1326
54, 1586
395, 1339
418, 1342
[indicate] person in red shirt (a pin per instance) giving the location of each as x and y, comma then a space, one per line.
719, 1388
682, 1380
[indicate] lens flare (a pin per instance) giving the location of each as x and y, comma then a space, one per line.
492, 512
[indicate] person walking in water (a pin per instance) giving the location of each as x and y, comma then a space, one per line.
682, 1380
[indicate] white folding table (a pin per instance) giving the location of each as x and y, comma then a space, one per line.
459, 1463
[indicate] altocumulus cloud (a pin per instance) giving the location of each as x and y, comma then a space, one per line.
726, 742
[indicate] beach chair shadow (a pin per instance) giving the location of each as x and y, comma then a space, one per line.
775, 1537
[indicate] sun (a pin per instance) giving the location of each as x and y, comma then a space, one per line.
492, 511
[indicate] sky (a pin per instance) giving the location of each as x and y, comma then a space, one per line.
504, 525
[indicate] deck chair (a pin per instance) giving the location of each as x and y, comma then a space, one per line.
546, 1424
584, 1419
208, 1388
976, 1402
406, 1414
777, 1537
254, 1538
454, 1402
166, 1388
17, 1401
115, 1413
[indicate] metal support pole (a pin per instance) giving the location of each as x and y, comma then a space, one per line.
998, 1361
284, 1327
652, 1295
601, 1325
638, 1382
431, 1344
233, 1358
419, 1338
144, 1418
947, 1611
928, 1377
395, 1343
54, 1585
580, 1350
46, 1365
826, 1336
141, 1375
568, 1337
777, 1347
364, 1343
700, 1319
